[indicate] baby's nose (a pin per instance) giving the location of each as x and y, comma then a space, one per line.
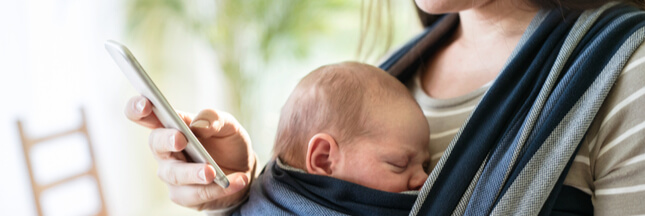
417, 180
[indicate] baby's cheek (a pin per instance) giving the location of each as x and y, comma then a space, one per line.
360, 174
392, 182
373, 174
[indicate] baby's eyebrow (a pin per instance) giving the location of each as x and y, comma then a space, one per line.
398, 156
410, 151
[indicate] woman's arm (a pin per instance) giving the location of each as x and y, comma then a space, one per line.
191, 184
615, 145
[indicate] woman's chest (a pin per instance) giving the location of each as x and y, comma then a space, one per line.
445, 116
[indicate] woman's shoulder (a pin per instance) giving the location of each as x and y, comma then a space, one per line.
621, 112
610, 164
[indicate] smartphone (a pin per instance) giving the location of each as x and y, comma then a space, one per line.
160, 106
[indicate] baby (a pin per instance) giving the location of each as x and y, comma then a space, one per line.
357, 123
350, 139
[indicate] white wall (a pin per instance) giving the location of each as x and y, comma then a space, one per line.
52, 62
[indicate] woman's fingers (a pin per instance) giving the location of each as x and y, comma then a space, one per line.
198, 195
191, 184
164, 142
139, 110
176, 172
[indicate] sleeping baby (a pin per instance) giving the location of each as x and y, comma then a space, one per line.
351, 140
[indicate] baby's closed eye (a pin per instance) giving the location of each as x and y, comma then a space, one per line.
397, 167
398, 163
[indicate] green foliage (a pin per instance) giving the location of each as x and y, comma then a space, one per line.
240, 31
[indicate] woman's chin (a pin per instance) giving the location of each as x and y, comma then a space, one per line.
447, 6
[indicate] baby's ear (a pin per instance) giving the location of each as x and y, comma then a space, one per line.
321, 151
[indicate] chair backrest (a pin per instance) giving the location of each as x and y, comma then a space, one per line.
29, 142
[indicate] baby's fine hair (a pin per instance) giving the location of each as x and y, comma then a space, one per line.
334, 99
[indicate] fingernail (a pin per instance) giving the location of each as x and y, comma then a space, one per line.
140, 105
215, 124
202, 175
200, 124
173, 142
241, 181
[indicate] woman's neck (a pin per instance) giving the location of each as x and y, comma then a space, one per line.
483, 42
494, 22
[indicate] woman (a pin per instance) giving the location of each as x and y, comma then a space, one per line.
561, 122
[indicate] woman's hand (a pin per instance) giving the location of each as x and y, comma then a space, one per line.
191, 184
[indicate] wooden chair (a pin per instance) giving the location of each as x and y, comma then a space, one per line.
29, 142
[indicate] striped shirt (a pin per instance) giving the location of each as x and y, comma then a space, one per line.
610, 166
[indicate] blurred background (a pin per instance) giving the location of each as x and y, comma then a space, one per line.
242, 57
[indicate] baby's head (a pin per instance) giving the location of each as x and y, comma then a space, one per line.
357, 123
